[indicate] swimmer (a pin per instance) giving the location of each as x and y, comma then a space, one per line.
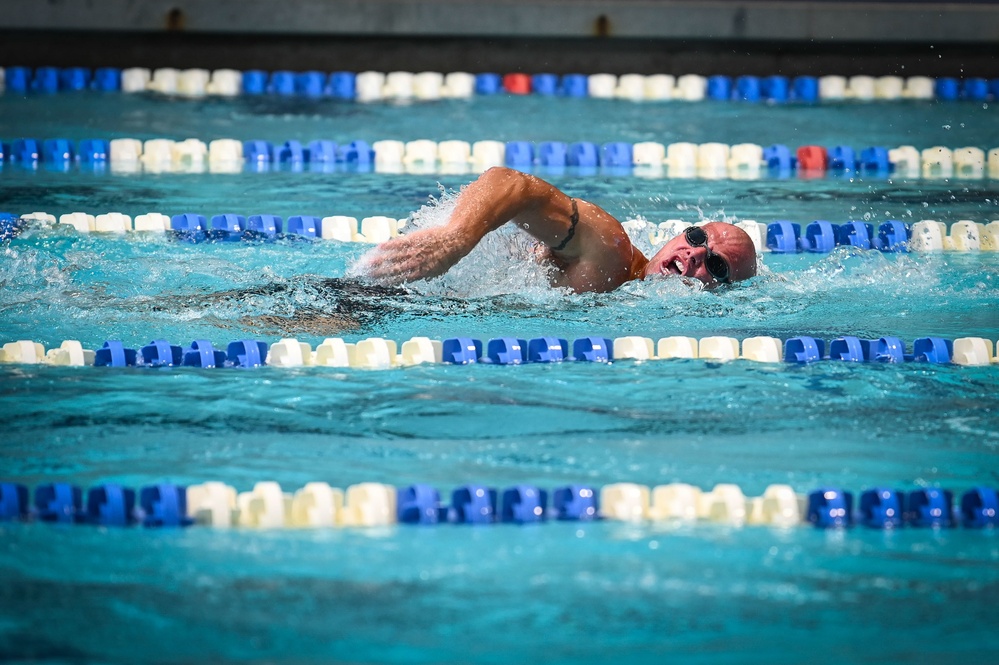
588, 249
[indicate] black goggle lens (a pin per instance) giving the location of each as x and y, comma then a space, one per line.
717, 266
696, 236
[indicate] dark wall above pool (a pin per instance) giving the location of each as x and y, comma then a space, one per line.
643, 36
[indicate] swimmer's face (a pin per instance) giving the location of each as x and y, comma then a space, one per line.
726, 255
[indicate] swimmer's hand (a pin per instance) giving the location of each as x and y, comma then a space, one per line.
418, 255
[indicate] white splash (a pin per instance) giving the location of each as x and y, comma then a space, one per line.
503, 263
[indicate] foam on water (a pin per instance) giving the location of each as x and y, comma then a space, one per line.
502, 263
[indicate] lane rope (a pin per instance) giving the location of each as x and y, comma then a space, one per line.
380, 353
318, 505
373, 86
647, 159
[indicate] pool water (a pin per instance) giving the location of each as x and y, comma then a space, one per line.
558, 593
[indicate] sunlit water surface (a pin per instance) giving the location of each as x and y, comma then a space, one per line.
558, 593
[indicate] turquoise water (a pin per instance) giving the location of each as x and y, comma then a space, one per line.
555, 593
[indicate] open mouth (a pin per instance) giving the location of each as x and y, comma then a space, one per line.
674, 267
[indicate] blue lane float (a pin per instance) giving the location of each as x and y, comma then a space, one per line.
59, 502
228, 227
553, 154
819, 237
932, 350
106, 79
784, 237
719, 88
267, 226
848, 349
855, 234
14, 503
975, 89
356, 154
547, 350
947, 88
247, 353
545, 84
321, 151
842, 159
505, 351
473, 504
881, 508
583, 154
58, 150
281, 83
93, 151
292, 152
576, 503
776, 89
805, 89
892, 236
111, 505
160, 353
343, 85
830, 508
164, 505
804, 349
574, 85
18, 79
875, 161
780, 162
747, 89
488, 84
524, 504
593, 349
519, 154
74, 78
980, 508
45, 80
189, 225
884, 350
420, 504
114, 354
461, 350
254, 82
931, 507
25, 151
203, 354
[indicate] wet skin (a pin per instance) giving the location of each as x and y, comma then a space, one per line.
597, 257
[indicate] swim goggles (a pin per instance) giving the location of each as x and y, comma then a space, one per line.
716, 264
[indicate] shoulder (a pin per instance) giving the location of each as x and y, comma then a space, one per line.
602, 256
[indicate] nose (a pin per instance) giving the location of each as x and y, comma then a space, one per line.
695, 259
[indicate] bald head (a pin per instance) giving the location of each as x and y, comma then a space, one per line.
726, 243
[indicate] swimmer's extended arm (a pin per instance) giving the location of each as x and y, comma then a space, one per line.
597, 257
